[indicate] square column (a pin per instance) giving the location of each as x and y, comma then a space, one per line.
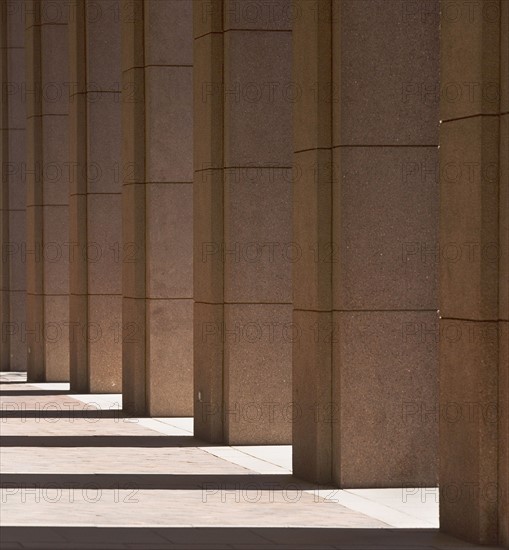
474, 288
157, 160
13, 355
4, 194
48, 177
243, 250
96, 198
365, 198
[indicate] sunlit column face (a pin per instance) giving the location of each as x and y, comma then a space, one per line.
243, 159
158, 208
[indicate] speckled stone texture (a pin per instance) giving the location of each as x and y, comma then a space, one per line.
95, 200
474, 365
13, 350
157, 203
48, 180
242, 222
365, 214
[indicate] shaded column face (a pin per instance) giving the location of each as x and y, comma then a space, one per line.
312, 225
157, 208
95, 198
503, 289
474, 281
243, 242
13, 340
48, 177
4, 194
366, 291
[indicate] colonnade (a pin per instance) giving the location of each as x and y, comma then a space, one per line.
238, 210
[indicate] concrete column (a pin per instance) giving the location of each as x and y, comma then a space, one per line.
95, 198
312, 229
474, 377
157, 199
13, 355
4, 194
242, 221
365, 216
48, 176
503, 289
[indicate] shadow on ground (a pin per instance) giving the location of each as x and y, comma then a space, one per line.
98, 538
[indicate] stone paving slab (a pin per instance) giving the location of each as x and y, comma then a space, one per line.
73, 427
88, 505
104, 460
233, 538
105, 486
77, 482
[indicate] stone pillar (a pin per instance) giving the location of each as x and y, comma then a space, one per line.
312, 229
242, 221
474, 378
157, 200
4, 194
503, 289
95, 197
365, 216
48, 176
13, 355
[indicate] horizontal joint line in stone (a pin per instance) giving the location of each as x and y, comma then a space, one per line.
257, 167
42, 205
313, 149
478, 115
312, 310
66, 295
99, 194
244, 303
208, 170
153, 298
258, 30
95, 294
207, 34
155, 183
388, 310
365, 310
166, 183
47, 24
472, 320
244, 168
387, 146
155, 66
11, 290
47, 115
170, 65
89, 92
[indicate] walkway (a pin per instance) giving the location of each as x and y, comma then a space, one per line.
76, 474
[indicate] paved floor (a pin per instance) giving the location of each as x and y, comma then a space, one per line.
77, 474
